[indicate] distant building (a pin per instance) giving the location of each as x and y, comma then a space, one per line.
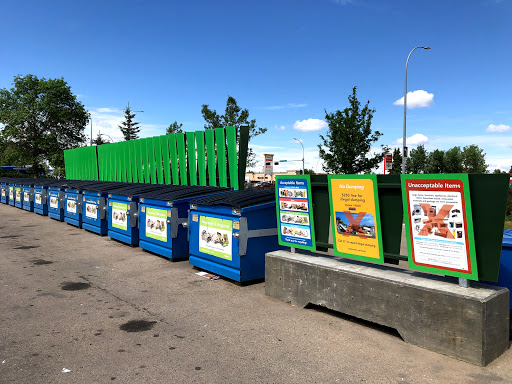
256, 177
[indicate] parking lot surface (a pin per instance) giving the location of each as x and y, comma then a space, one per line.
80, 308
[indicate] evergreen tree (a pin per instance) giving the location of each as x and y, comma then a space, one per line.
397, 162
128, 127
99, 140
346, 147
174, 128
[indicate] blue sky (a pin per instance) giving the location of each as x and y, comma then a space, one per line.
284, 60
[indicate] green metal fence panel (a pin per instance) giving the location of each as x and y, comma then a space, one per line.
220, 141
180, 142
138, 159
243, 146
124, 160
232, 157
488, 205
171, 139
191, 155
111, 163
150, 165
166, 159
201, 158
157, 150
210, 157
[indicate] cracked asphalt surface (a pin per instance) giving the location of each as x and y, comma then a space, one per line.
111, 313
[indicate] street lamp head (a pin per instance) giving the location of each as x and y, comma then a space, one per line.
425, 47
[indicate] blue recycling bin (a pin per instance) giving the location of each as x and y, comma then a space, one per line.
230, 234
123, 211
73, 200
4, 186
12, 194
28, 197
41, 195
18, 194
161, 217
505, 274
94, 207
56, 202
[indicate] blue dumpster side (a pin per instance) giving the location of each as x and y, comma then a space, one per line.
18, 195
5, 192
41, 199
209, 224
73, 204
120, 209
505, 274
93, 219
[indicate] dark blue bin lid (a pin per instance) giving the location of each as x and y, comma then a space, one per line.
239, 199
507, 238
177, 192
137, 188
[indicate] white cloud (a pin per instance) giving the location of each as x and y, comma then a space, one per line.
498, 128
309, 125
417, 99
416, 139
108, 110
280, 127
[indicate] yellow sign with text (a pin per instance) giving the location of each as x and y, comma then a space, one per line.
355, 217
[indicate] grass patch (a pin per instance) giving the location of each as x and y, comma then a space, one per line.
508, 223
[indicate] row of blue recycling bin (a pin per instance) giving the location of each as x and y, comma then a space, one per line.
219, 230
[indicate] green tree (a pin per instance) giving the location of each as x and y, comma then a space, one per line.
497, 170
346, 147
473, 159
417, 161
128, 127
99, 140
41, 119
453, 160
436, 161
233, 116
174, 128
309, 171
510, 171
397, 162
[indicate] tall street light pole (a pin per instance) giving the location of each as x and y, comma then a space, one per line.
300, 141
405, 111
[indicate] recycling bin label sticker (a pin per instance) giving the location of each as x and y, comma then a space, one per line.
37, 198
91, 210
3, 192
215, 237
18, 194
11, 194
26, 197
71, 206
119, 216
156, 226
54, 202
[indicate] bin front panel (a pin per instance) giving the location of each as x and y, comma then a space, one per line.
18, 196
11, 195
119, 219
153, 224
39, 206
27, 204
211, 237
54, 207
70, 205
91, 207
5, 193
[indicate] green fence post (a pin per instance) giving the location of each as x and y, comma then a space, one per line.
180, 142
167, 161
201, 165
191, 155
232, 157
210, 157
243, 145
174, 158
158, 159
220, 140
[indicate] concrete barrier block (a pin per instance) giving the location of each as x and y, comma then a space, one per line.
433, 312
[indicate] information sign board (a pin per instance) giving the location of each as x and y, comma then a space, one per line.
295, 212
439, 224
355, 217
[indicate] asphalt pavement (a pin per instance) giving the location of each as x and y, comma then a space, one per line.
80, 308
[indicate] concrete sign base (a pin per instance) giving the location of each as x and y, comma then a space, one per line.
433, 312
